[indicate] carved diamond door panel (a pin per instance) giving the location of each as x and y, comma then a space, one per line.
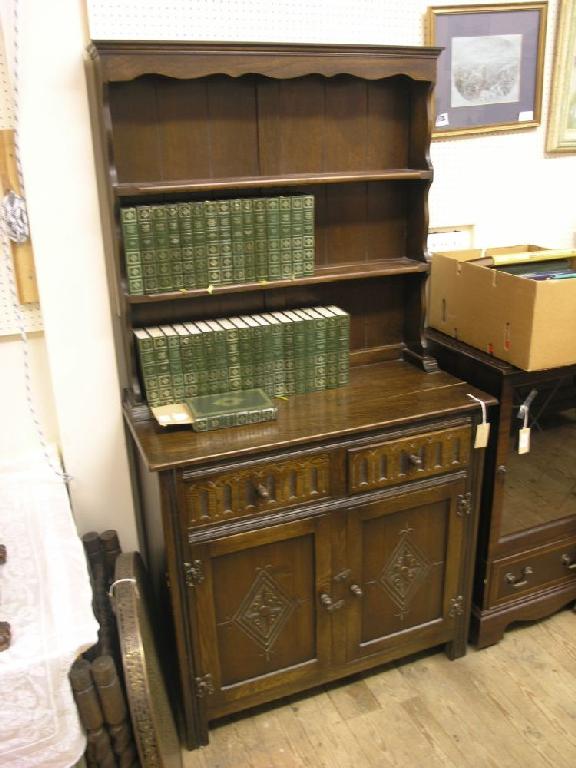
405, 557
262, 620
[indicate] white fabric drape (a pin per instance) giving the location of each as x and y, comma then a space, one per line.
45, 595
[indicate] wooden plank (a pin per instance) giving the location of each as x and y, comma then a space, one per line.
22, 253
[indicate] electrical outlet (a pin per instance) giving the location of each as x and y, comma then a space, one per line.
457, 238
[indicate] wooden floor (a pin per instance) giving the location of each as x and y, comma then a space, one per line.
510, 705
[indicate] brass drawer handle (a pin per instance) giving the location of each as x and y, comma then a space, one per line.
570, 564
522, 580
415, 460
262, 491
356, 589
329, 604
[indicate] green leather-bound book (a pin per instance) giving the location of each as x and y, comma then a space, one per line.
230, 409
225, 242
260, 238
145, 347
131, 246
343, 338
200, 248
147, 248
237, 232
248, 239
186, 247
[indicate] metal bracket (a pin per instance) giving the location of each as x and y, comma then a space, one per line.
456, 606
464, 503
204, 686
524, 408
193, 573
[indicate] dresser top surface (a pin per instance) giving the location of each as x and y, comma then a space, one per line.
380, 396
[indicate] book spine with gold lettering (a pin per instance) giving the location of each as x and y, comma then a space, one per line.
131, 249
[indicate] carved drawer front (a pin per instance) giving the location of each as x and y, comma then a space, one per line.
529, 572
410, 458
260, 488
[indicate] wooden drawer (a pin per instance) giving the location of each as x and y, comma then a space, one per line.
409, 458
532, 571
261, 487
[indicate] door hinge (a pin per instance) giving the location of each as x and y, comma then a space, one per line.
193, 573
456, 606
204, 686
464, 503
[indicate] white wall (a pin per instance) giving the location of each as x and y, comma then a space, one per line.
501, 183
18, 434
64, 220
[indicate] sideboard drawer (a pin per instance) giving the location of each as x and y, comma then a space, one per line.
529, 572
409, 458
261, 487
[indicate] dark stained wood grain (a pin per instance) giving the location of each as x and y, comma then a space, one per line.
528, 514
272, 544
378, 396
205, 183
405, 557
125, 60
323, 274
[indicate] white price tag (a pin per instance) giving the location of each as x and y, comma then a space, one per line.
524, 440
483, 429
482, 435
442, 120
526, 116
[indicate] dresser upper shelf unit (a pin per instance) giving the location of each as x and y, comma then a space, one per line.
348, 125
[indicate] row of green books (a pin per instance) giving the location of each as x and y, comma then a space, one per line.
182, 246
283, 353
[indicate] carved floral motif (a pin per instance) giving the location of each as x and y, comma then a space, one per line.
264, 611
404, 572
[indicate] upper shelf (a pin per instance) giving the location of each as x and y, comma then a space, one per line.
136, 189
326, 274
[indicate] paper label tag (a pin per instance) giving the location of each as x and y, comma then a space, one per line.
482, 435
524, 440
442, 120
525, 116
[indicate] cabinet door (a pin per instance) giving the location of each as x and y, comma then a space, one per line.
257, 610
405, 557
537, 487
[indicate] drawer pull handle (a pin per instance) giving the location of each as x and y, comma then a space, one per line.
329, 604
522, 580
415, 460
262, 491
356, 589
570, 564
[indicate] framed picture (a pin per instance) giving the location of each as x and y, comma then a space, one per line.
561, 135
490, 71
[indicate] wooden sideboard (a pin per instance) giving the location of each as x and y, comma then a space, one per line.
526, 565
341, 535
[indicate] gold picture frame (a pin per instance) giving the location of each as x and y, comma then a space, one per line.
490, 71
561, 134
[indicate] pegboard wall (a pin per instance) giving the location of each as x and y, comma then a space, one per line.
9, 320
501, 183
300, 21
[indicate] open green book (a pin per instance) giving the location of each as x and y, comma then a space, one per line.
230, 409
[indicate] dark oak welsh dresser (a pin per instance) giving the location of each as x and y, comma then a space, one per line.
342, 535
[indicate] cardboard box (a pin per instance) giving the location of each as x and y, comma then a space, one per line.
529, 323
